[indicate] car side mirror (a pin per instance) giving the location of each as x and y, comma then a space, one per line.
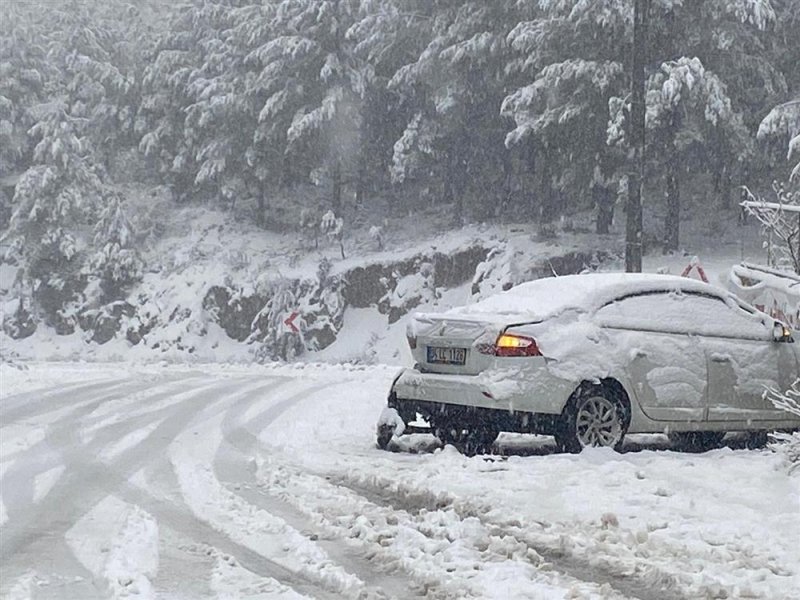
781, 333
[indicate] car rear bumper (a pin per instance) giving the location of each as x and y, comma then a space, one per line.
512, 390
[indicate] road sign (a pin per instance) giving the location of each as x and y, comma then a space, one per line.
289, 322
694, 265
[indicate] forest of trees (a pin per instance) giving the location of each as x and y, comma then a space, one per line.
488, 109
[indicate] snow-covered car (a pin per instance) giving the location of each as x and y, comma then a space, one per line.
774, 292
590, 358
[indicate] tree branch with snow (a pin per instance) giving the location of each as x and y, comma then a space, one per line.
780, 221
788, 444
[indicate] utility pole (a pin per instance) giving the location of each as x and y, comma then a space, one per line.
636, 134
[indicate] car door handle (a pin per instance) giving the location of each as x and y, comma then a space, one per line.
720, 358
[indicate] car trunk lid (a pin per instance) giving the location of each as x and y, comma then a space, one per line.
444, 344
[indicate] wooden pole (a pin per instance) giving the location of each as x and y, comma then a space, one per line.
633, 209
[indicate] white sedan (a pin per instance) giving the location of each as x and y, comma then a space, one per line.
589, 358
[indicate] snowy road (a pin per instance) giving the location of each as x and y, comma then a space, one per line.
223, 482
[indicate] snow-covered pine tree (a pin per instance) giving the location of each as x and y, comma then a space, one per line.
688, 109
783, 122
98, 53
333, 227
452, 145
735, 40
52, 204
568, 60
383, 38
25, 76
165, 141
312, 89
116, 261
222, 114
694, 124
378, 235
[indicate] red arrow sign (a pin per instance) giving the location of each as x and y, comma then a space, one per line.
290, 322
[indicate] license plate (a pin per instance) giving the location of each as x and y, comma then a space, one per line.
447, 356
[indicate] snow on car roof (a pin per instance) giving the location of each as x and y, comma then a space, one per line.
544, 298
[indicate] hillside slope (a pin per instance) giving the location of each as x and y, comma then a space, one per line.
218, 289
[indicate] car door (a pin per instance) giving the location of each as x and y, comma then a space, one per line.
654, 336
743, 363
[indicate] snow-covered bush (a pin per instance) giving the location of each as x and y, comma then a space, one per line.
278, 341
333, 227
407, 292
376, 234
17, 320
788, 444
322, 305
116, 261
318, 306
499, 272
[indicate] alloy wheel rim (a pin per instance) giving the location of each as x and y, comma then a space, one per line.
598, 423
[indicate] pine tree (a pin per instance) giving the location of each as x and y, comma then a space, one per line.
99, 69
688, 109
25, 76
53, 202
116, 262
783, 122
221, 116
569, 59
313, 88
165, 141
452, 145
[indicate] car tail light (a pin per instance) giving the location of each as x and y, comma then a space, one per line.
509, 344
412, 342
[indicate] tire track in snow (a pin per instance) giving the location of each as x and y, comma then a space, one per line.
650, 585
209, 539
175, 514
383, 502
39, 402
61, 438
235, 467
35, 536
19, 486
177, 518
395, 538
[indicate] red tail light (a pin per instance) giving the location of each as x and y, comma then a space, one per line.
509, 344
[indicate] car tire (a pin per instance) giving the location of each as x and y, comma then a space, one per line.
385, 435
595, 415
756, 440
470, 440
696, 441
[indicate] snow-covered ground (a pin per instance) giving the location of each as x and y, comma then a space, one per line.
264, 482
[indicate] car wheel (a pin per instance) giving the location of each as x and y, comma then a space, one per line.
756, 440
696, 441
385, 434
595, 416
467, 440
